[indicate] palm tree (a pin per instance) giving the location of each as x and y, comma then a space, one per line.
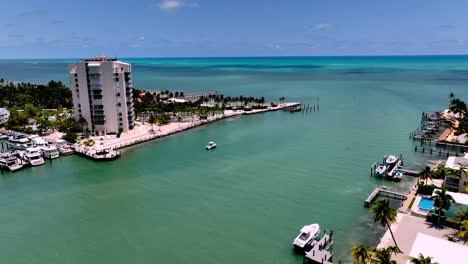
151, 121
421, 260
425, 174
463, 231
386, 215
443, 201
384, 255
462, 215
361, 253
179, 119
451, 96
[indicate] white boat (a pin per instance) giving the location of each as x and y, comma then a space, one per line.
308, 233
398, 175
211, 145
390, 160
63, 147
11, 163
33, 156
49, 152
3, 137
381, 170
65, 150
19, 142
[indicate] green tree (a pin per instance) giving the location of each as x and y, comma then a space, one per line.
83, 123
421, 260
30, 110
384, 255
461, 215
151, 121
361, 253
70, 137
425, 174
443, 201
463, 231
386, 215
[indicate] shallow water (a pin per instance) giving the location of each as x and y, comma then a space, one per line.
169, 201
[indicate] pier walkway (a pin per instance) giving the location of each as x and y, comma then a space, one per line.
320, 253
383, 192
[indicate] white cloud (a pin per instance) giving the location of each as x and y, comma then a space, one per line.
322, 26
141, 38
174, 4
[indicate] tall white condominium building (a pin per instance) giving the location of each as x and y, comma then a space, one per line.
102, 94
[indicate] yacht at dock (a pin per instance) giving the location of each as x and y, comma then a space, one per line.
32, 156
307, 234
10, 163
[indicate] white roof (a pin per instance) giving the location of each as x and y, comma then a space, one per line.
452, 162
4, 111
177, 100
441, 250
460, 198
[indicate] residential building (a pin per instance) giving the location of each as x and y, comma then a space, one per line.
102, 94
4, 115
457, 182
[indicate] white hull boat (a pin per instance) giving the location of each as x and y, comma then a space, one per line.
308, 233
211, 145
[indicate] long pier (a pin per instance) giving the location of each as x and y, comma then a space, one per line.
436, 151
383, 192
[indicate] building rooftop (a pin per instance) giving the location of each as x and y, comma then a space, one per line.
453, 162
441, 250
100, 58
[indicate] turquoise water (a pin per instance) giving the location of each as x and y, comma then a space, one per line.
426, 204
170, 201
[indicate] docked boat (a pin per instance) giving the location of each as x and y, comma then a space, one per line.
391, 159
308, 233
398, 175
10, 163
33, 156
19, 142
63, 147
381, 170
65, 150
105, 154
211, 145
49, 152
2, 137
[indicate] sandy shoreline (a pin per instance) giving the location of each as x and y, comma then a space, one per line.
145, 132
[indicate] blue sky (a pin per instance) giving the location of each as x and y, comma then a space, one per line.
184, 28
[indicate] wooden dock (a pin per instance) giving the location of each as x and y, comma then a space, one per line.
383, 192
320, 251
437, 151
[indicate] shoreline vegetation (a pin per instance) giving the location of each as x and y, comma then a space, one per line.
33, 111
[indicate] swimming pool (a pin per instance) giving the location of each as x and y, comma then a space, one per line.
425, 204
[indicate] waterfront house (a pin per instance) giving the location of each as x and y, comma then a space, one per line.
4, 115
457, 182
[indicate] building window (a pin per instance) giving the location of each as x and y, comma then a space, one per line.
76, 80
120, 114
116, 79
120, 124
465, 183
118, 94
81, 116
119, 104
76, 85
120, 119
77, 90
